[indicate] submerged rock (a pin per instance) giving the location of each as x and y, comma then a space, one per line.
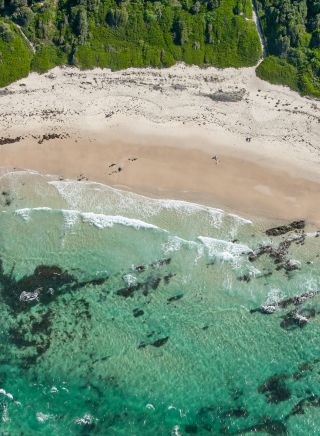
191, 429
138, 312
284, 303
296, 319
269, 426
157, 343
175, 298
275, 389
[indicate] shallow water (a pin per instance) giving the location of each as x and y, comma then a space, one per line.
128, 315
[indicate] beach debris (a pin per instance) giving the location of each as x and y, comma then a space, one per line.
117, 170
49, 136
132, 159
7, 198
81, 178
4, 141
227, 96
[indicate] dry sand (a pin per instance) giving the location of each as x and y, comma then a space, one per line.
161, 128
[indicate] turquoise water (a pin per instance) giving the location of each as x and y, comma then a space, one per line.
126, 315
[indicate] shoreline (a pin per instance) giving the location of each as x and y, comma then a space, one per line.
155, 132
166, 169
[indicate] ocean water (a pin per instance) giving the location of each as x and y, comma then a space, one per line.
125, 315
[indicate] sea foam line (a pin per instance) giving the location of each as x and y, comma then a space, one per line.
225, 250
100, 221
72, 193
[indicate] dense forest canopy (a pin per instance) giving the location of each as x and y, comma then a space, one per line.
123, 33
292, 32
119, 34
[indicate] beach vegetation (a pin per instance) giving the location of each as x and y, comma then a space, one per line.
292, 33
15, 55
121, 34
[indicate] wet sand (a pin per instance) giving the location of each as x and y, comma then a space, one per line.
247, 185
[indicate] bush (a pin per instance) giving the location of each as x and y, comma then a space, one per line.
15, 56
279, 72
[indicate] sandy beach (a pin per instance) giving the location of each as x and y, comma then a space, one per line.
217, 137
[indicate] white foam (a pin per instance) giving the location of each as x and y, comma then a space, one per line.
84, 420
74, 193
5, 414
100, 221
71, 217
174, 243
273, 297
30, 296
42, 417
225, 250
240, 219
26, 212
6, 394
176, 431
130, 279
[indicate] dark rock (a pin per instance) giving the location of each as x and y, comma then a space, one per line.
299, 408
282, 304
175, 298
129, 291
191, 429
168, 278
245, 278
269, 426
161, 262
138, 312
158, 343
281, 230
155, 282
275, 389
140, 268
240, 412
296, 319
